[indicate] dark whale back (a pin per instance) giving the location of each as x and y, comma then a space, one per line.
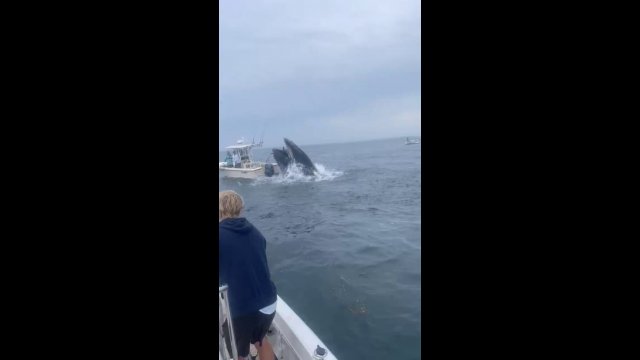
282, 158
293, 154
300, 157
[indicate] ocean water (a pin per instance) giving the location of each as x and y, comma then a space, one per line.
344, 247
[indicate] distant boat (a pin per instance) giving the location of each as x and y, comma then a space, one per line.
412, 141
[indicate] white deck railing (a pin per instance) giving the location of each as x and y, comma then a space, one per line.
224, 314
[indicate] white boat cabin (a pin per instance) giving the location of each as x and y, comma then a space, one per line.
238, 163
238, 156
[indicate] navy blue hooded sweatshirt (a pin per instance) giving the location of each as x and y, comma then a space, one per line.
243, 266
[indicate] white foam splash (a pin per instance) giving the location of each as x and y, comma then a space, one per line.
295, 175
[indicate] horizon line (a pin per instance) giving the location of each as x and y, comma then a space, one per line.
343, 142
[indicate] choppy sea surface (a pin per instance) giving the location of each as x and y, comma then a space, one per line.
344, 247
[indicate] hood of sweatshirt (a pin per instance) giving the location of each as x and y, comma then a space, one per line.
237, 225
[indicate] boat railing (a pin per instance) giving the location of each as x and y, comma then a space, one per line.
224, 316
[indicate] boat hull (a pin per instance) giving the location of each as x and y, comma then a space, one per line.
241, 173
245, 173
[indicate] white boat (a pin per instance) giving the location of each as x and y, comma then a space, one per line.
244, 167
289, 336
412, 141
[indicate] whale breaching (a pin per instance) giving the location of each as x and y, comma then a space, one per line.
292, 155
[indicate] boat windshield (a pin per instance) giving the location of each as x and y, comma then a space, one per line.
241, 152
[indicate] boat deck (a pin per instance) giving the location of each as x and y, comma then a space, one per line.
290, 337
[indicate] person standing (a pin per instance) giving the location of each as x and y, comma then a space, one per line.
229, 159
243, 267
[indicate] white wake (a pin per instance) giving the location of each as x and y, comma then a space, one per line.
295, 174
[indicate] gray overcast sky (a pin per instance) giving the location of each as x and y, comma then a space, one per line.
319, 71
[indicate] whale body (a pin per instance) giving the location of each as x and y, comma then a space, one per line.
292, 155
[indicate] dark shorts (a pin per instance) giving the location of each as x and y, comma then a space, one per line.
249, 329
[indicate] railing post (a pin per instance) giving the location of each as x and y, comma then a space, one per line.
226, 310
224, 350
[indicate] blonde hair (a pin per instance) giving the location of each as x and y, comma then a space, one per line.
229, 204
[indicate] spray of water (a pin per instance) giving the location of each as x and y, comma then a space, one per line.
295, 175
